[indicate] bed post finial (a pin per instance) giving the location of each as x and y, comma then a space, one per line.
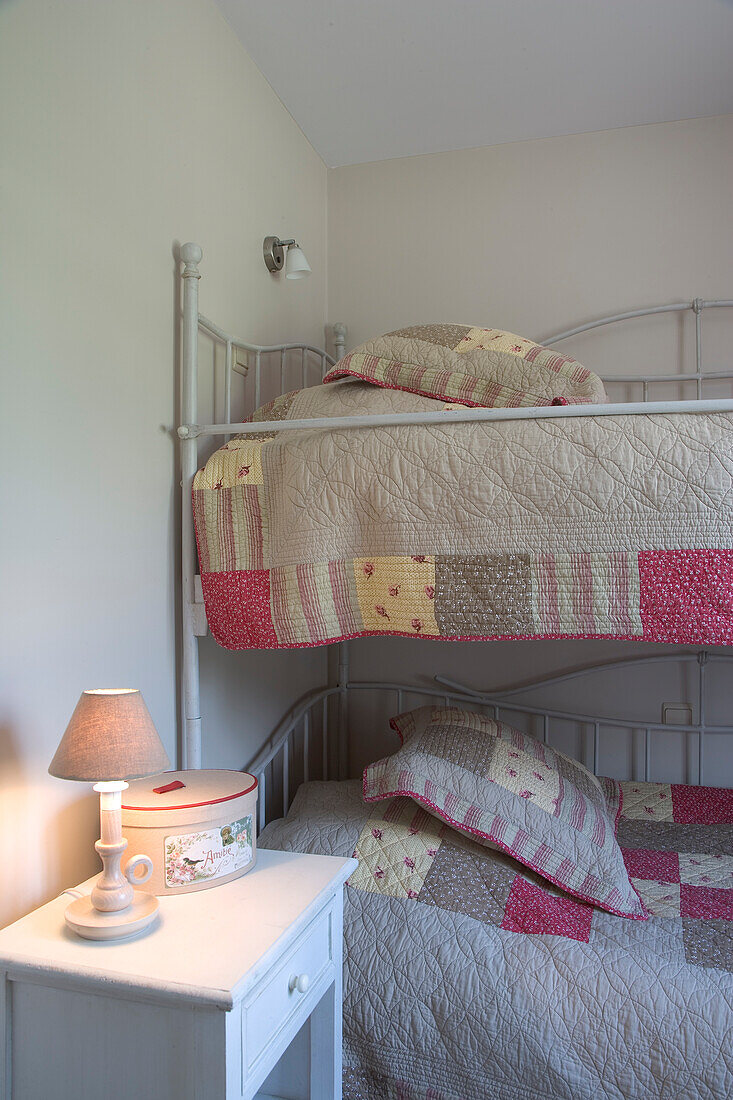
339, 339
191, 255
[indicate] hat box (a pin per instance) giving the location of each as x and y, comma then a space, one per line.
197, 827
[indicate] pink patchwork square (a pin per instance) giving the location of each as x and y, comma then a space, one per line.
687, 596
648, 864
530, 909
238, 608
702, 805
706, 903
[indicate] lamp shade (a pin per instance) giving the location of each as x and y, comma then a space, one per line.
111, 736
296, 265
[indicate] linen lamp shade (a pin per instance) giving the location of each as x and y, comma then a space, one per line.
111, 736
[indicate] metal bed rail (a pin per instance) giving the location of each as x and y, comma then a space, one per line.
291, 753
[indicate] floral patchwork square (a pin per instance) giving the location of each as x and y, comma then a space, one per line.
523, 774
468, 879
708, 943
662, 899
702, 805
647, 863
706, 869
534, 910
396, 849
647, 801
706, 903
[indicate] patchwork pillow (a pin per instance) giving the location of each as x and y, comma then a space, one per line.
507, 789
473, 366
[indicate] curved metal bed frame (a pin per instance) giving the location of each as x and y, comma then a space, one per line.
300, 749
300, 723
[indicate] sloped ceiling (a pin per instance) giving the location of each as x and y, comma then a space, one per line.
373, 79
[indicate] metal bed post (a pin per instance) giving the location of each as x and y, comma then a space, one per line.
190, 698
702, 660
698, 307
343, 710
339, 339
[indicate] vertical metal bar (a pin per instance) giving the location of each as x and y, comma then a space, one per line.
596, 730
190, 693
698, 307
702, 659
343, 710
399, 702
302, 367
324, 738
647, 754
645, 391
545, 726
286, 775
306, 745
261, 799
282, 371
446, 700
323, 365
228, 385
258, 379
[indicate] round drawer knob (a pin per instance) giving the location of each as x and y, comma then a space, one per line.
299, 982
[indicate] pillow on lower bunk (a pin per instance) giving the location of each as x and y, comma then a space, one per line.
511, 791
473, 366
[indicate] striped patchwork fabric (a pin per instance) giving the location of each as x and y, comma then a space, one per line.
608, 527
498, 785
473, 366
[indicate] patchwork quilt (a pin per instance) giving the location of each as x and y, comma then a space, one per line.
469, 978
596, 527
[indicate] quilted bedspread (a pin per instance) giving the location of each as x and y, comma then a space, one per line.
617, 527
468, 978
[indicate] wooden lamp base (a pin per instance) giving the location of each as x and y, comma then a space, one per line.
88, 922
114, 910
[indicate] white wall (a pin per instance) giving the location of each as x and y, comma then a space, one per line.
535, 237
124, 128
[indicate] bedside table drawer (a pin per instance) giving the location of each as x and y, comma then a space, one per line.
288, 990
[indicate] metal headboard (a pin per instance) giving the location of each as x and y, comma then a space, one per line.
300, 747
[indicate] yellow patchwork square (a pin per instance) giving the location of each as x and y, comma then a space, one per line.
397, 593
706, 870
524, 775
662, 899
647, 801
239, 463
395, 855
493, 339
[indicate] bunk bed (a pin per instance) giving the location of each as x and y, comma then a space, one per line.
490, 981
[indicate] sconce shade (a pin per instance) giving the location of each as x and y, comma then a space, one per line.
296, 265
111, 736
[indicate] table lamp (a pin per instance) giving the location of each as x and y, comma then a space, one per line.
110, 739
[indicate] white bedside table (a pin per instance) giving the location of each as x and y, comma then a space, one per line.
233, 990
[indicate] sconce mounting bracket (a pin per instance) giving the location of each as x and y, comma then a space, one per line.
274, 253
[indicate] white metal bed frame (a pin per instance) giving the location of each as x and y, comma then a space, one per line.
302, 738
300, 722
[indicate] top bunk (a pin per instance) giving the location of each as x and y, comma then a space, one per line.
338, 511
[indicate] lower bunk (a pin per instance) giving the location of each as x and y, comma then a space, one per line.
468, 977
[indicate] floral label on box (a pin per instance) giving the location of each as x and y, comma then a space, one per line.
211, 854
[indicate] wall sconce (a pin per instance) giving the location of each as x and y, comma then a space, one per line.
274, 251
